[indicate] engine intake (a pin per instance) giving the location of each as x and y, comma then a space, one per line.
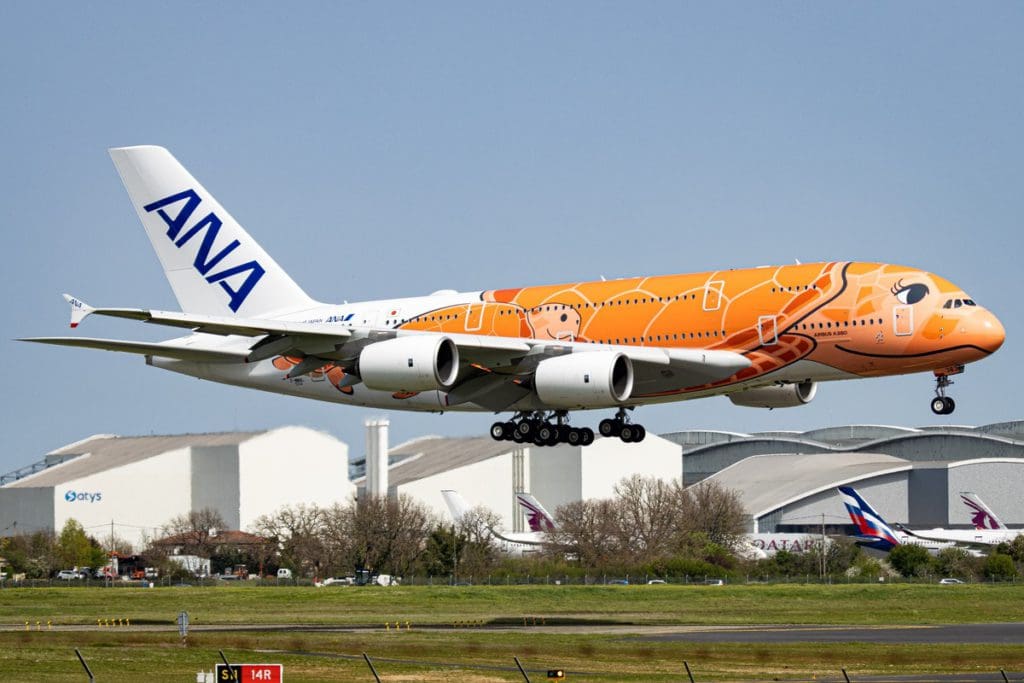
778, 396
415, 363
593, 379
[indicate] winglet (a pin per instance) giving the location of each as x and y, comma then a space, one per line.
79, 309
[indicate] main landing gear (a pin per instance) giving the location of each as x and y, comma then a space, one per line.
536, 428
621, 427
942, 404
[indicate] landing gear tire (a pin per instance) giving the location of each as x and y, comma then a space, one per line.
518, 437
640, 433
943, 405
627, 433
574, 437
610, 427
586, 436
527, 429
546, 434
500, 431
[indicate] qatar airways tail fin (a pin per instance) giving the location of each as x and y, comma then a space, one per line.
536, 516
981, 516
870, 525
211, 262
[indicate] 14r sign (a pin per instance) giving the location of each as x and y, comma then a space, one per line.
251, 673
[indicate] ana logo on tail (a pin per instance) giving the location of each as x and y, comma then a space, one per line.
869, 523
205, 262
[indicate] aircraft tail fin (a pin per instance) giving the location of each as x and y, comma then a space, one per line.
981, 515
457, 505
211, 262
537, 517
869, 523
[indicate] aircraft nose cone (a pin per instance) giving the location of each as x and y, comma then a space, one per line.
987, 331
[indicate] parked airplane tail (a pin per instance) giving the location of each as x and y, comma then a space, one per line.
870, 525
211, 262
537, 517
457, 505
981, 516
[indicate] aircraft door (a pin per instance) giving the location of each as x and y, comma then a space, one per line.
475, 316
767, 330
713, 295
903, 321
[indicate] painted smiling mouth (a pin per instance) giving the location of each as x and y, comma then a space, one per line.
948, 349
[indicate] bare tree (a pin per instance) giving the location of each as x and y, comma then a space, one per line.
298, 533
713, 510
478, 552
586, 530
646, 517
388, 535
195, 531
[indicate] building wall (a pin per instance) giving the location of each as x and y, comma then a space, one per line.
556, 475
999, 484
289, 466
214, 481
26, 510
886, 493
140, 497
608, 461
487, 483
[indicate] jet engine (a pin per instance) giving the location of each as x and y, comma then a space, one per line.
590, 379
414, 363
777, 396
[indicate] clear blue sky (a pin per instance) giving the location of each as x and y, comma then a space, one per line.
388, 149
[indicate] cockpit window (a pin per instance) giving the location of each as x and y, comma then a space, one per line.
957, 303
969, 302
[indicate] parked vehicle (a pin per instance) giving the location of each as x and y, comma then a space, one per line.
950, 581
284, 573
339, 581
68, 575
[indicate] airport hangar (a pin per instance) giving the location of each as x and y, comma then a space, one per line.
139, 483
786, 480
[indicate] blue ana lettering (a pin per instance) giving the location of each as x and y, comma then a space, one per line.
205, 259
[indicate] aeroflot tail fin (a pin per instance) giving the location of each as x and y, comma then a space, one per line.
537, 517
981, 516
869, 523
212, 263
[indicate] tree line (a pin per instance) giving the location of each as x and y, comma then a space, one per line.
647, 527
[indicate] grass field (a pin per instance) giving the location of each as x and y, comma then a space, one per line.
472, 633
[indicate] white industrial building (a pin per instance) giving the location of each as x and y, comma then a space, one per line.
136, 484
489, 473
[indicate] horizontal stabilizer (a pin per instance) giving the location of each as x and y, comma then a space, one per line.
162, 350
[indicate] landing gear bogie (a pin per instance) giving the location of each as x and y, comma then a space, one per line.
942, 404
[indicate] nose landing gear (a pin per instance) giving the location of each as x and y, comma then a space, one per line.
942, 404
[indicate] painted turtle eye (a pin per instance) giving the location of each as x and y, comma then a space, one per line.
909, 294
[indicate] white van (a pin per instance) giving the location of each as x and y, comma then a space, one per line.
284, 573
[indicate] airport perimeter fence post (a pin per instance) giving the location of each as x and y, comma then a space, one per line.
92, 679
521, 669
1007, 680
372, 669
845, 675
688, 672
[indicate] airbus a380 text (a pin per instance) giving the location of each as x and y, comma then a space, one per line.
763, 336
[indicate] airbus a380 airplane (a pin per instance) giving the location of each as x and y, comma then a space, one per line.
762, 336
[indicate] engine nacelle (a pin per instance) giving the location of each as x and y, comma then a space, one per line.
589, 379
414, 363
778, 396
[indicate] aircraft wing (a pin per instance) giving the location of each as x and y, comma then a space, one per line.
321, 343
176, 350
